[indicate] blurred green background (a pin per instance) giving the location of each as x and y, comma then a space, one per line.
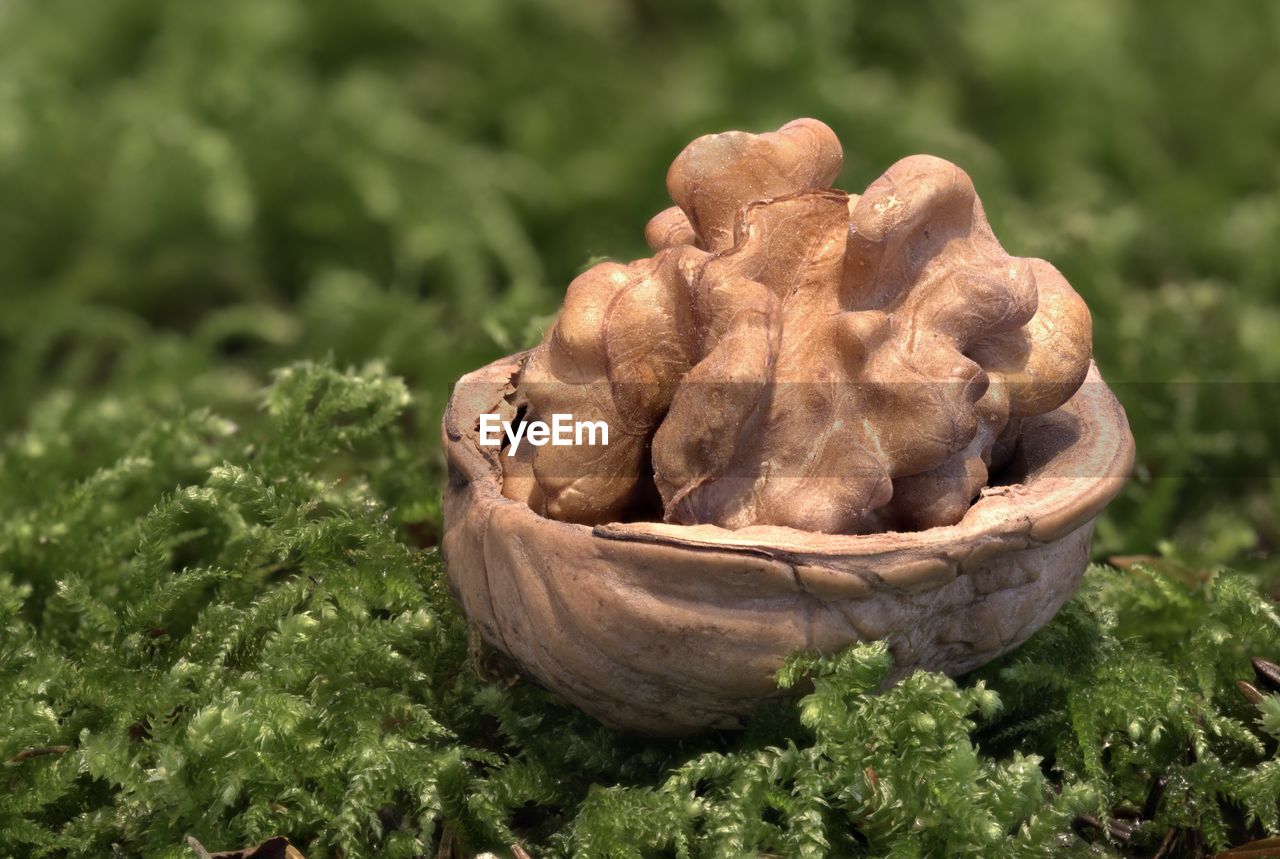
194, 193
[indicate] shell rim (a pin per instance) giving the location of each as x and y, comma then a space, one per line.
1051, 502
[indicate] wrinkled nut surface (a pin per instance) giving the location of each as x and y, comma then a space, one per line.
793, 355
806, 391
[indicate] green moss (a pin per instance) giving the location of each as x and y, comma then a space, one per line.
195, 195
225, 631
224, 603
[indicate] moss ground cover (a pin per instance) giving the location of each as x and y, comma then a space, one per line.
245, 248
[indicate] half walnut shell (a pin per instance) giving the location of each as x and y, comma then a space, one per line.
667, 629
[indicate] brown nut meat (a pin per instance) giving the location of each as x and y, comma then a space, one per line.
806, 391
796, 356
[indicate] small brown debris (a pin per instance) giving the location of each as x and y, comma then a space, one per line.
1250, 692
1154, 795
273, 848
40, 752
1268, 673
447, 843
1266, 848
1086, 823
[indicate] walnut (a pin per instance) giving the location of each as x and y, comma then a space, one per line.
810, 396
794, 355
